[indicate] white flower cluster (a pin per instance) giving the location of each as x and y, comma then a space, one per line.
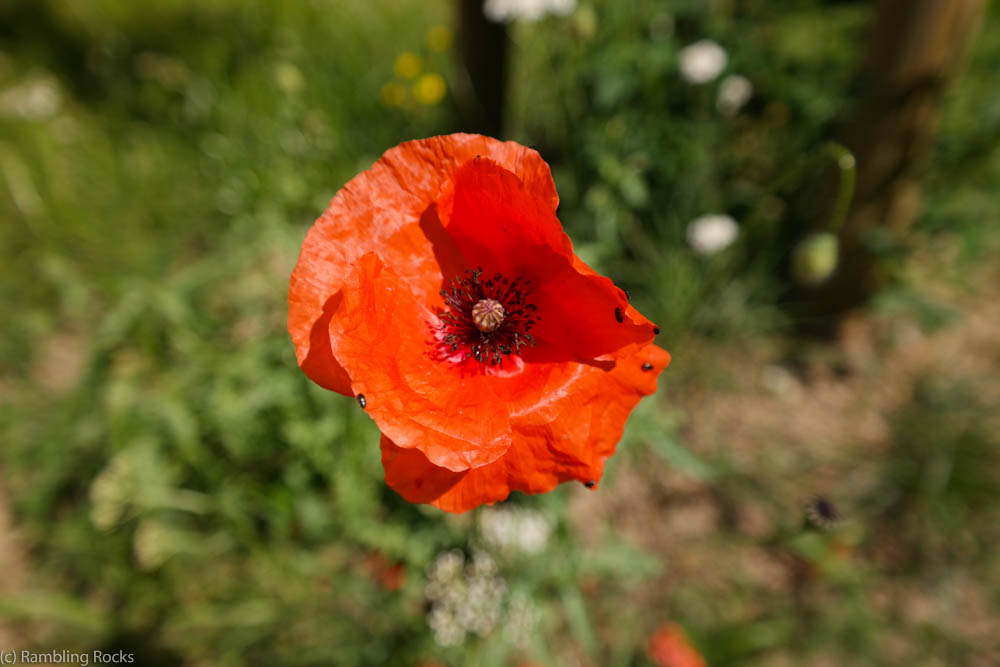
35, 98
521, 619
526, 10
710, 234
514, 530
465, 597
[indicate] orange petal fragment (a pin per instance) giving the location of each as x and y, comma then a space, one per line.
385, 340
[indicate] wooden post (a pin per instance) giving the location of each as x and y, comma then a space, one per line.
914, 50
482, 69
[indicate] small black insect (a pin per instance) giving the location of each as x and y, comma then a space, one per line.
656, 331
362, 401
821, 512
647, 366
589, 483
619, 315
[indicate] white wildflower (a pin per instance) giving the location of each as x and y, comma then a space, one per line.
527, 10
702, 61
734, 91
482, 565
446, 628
465, 597
515, 530
480, 610
709, 234
521, 619
35, 98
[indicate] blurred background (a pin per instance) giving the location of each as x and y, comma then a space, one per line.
803, 194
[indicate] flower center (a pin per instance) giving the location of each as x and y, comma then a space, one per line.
488, 315
487, 319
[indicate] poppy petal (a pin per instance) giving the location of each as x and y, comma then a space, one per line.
384, 337
631, 314
386, 210
412, 476
569, 437
496, 221
585, 417
497, 225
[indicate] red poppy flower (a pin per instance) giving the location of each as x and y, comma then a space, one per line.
439, 289
669, 647
391, 576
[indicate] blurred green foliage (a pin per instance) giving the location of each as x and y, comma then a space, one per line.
187, 494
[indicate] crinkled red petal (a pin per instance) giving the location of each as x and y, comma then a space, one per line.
389, 210
568, 435
382, 335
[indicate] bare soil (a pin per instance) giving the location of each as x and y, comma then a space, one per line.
814, 421
13, 566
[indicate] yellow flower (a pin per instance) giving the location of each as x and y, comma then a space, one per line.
393, 94
288, 77
408, 65
439, 38
429, 89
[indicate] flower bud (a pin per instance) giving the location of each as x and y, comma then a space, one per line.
814, 259
585, 23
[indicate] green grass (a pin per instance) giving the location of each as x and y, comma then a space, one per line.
184, 492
